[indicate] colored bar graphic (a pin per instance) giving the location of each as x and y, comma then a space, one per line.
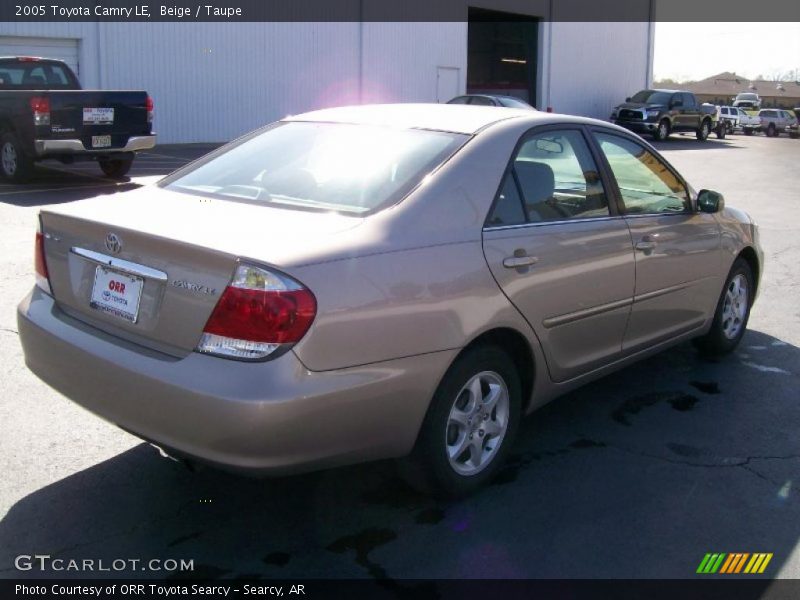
734, 563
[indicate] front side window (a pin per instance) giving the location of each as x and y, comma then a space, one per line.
555, 178
645, 183
326, 166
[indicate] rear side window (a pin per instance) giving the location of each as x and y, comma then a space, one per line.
553, 177
34, 75
645, 183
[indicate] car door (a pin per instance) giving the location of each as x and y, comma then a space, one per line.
559, 251
690, 112
677, 249
678, 112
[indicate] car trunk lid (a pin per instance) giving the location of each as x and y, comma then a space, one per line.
150, 265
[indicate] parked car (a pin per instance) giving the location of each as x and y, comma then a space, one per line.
45, 114
376, 282
490, 100
662, 112
749, 122
774, 121
747, 101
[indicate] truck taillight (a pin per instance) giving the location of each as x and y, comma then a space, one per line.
40, 105
149, 105
259, 312
40, 264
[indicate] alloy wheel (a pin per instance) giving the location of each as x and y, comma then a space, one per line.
734, 309
477, 423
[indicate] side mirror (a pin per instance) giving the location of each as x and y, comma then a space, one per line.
709, 201
628, 99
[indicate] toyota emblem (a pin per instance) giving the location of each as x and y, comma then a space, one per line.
113, 243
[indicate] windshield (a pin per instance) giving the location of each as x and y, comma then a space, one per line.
327, 166
652, 97
747, 97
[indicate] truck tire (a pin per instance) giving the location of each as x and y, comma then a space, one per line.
15, 165
705, 129
116, 168
748, 131
662, 131
722, 131
771, 131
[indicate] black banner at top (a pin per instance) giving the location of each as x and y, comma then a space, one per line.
232, 11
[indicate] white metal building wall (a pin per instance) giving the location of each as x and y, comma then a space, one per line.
592, 67
216, 81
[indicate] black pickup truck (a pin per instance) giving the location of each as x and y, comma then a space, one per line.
661, 112
45, 114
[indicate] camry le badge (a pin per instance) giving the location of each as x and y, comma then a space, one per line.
113, 243
194, 287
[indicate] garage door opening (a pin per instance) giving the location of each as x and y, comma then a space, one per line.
502, 54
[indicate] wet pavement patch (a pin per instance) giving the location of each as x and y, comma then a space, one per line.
184, 538
686, 451
585, 443
278, 559
632, 406
363, 543
684, 402
707, 387
429, 516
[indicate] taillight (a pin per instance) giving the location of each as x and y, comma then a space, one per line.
40, 264
149, 105
40, 105
259, 312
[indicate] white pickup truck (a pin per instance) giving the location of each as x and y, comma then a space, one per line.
736, 119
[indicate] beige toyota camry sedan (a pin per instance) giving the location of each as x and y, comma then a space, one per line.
398, 281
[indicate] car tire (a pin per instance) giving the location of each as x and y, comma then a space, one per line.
705, 129
732, 312
455, 452
662, 131
15, 165
722, 131
771, 131
116, 168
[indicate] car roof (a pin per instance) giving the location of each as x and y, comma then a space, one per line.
456, 118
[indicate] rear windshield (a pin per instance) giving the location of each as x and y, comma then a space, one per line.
652, 97
325, 166
34, 75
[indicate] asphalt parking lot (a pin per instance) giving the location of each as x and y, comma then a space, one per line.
637, 475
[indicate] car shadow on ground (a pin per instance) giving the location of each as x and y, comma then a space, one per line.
639, 474
690, 142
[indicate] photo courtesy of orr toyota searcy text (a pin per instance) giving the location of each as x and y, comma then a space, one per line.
160, 591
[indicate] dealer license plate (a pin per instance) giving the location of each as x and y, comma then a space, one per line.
116, 293
98, 116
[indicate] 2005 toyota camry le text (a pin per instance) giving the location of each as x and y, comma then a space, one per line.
394, 281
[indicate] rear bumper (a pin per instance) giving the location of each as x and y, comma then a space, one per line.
266, 418
74, 146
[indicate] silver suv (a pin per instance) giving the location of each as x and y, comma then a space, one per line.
776, 120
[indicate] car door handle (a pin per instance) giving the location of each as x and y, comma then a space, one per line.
647, 243
515, 262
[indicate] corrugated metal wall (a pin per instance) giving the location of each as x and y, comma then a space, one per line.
216, 81
595, 66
